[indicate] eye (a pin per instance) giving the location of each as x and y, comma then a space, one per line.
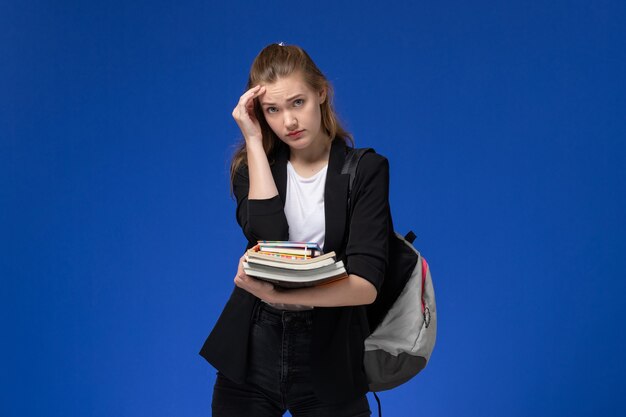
301, 101
270, 110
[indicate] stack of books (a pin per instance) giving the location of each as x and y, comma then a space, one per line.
292, 264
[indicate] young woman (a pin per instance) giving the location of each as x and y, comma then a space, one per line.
300, 349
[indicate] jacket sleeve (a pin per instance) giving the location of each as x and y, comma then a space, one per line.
367, 249
259, 219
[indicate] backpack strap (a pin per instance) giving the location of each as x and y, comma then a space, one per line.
410, 237
425, 310
353, 156
380, 411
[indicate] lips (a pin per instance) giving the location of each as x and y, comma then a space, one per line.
296, 133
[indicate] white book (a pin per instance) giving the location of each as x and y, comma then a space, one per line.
290, 272
253, 261
292, 279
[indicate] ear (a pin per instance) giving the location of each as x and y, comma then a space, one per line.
322, 95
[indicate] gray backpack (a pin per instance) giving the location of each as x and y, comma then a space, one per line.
403, 319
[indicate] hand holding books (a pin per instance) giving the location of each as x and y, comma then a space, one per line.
292, 264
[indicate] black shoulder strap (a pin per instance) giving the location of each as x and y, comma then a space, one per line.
353, 156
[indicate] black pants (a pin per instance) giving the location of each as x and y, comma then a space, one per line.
279, 372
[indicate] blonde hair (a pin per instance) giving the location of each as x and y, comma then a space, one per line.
277, 61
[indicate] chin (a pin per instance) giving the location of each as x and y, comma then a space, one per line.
300, 144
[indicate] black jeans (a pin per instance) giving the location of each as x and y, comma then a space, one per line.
279, 372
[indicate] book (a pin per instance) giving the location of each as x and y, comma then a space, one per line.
304, 249
289, 259
312, 270
296, 266
295, 279
288, 270
289, 244
291, 251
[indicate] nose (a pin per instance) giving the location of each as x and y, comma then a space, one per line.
290, 121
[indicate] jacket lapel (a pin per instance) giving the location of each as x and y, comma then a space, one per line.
335, 198
279, 171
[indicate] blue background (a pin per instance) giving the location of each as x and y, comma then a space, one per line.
504, 124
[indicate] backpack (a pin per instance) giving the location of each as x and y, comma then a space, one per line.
403, 319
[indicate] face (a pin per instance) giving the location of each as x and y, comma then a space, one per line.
293, 112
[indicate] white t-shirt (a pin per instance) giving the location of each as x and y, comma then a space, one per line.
304, 206
304, 209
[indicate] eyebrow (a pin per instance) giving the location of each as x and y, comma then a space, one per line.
286, 101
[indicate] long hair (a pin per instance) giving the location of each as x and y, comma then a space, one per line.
277, 61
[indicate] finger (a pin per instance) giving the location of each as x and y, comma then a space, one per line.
239, 279
258, 89
244, 110
251, 93
250, 103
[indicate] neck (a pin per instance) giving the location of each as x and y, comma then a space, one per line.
318, 151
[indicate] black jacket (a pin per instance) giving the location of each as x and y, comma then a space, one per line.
338, 332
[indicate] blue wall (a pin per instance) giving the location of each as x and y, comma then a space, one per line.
504, 123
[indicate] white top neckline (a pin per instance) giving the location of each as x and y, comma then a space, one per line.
306, 179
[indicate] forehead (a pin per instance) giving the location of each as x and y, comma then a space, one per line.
284, 88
